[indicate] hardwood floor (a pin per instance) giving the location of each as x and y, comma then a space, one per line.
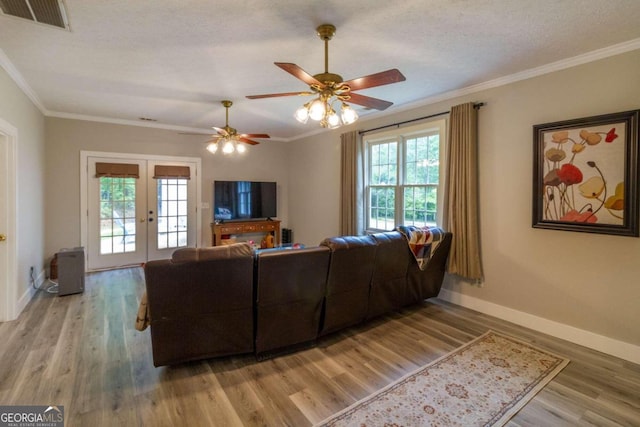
82, 351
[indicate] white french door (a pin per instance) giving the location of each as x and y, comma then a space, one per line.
117, 221
171, 209
134, 215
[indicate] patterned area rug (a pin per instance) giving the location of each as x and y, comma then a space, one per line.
483, 383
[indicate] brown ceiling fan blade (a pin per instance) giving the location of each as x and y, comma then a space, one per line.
368, 101
195, 133
274, 95
299, 73
254, 135
248, 141
378, 79
220, 131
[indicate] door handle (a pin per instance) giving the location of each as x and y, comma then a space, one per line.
142, 220
3, 237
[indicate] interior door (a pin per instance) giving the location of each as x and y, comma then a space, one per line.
8, 237
4, 232
117, 219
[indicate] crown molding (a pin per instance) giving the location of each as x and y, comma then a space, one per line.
13, 72
562, 64
552, 67
126, 122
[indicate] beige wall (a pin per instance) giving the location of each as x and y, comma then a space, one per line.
66, 138
586, 281
18, 110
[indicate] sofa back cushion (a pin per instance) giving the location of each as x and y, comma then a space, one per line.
214, 252
201, 304
348, 282
389, 290
290, 287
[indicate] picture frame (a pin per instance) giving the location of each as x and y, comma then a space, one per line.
585, 174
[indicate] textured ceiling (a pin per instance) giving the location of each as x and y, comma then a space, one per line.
174, 61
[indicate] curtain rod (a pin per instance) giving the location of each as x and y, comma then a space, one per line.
476, 106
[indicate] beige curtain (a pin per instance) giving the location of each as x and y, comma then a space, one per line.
351, 176
461, 215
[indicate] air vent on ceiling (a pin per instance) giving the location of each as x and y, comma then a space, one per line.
50, 12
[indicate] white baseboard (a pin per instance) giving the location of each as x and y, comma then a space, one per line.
28, 294
588, 339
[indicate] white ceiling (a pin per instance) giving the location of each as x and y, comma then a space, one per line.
174, 61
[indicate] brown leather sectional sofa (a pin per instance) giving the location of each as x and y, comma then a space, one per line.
225, 300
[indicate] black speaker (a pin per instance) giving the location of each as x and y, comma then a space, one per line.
287, 236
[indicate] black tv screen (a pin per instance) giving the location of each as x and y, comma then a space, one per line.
242, 200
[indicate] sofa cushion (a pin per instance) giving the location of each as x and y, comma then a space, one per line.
290, 287
389, 290
215, 252
348, 281
202, 305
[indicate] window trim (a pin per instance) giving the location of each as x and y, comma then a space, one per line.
400, 135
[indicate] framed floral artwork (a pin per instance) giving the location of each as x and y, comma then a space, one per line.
585, 174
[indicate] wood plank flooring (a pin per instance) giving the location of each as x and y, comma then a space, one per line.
82, 351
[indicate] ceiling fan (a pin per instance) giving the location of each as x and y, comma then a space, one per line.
229, 137
330, 87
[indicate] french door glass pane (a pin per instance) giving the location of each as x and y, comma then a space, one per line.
117, 215
172, 213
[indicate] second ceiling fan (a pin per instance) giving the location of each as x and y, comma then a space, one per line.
229, 137
330, 87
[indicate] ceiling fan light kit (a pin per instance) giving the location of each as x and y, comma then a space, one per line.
227, 139
331, 90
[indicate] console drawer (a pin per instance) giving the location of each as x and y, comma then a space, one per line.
231, 229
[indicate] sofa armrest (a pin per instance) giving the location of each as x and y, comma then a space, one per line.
429, 281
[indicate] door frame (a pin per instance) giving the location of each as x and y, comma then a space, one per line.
9, 307
84, 196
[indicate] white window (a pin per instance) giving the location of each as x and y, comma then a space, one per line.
404, 175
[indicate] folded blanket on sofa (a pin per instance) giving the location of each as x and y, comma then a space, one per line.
423, 241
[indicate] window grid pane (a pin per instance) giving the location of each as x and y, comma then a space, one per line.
420, 205
384, 164
172, 221
422, 160
117, 215
382, 213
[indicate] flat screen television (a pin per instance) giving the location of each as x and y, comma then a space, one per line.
244, 200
